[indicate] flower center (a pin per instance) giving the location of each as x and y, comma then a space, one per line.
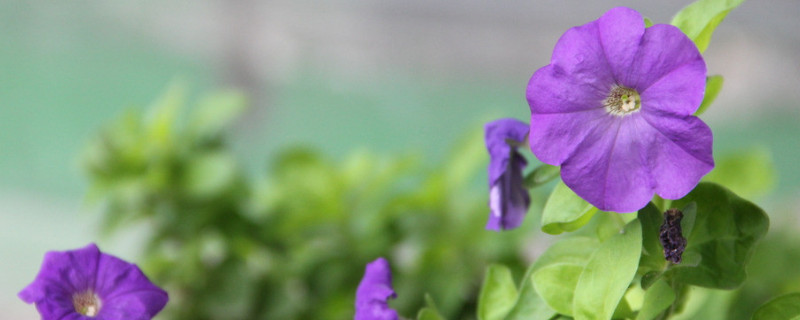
622, 101
86, 303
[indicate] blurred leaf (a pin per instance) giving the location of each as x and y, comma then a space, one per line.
657, 298
781, 308
699, 19
713, 87
749, 173
647, 22
705, 304
541, 175
565, 211
216, 112
498, 293
608, 274
725, 232
429, 312
162, 116
209, 174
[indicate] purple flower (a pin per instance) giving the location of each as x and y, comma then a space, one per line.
89, 284
508, 198
614, 110
374, 291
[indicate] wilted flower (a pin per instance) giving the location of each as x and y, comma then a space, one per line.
671, 236
614, 109
374, 291
89, 284
508, 198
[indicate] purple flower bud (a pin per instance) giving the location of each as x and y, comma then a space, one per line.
374, 291
508, 198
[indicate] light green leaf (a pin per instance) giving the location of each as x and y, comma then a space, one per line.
647, 22
749, 173
216, 112
565, 211
529, 305
657, 298
699, 19
713, 87
498, 293
608, 274
556, 283
564, 260
541, 175
723, 238
784, 307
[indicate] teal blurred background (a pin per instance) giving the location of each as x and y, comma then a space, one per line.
393, 77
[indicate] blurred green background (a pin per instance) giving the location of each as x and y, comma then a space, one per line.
394, 78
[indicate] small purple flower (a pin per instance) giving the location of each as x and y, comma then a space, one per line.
89, 284
508, 198
614, 109
374, 291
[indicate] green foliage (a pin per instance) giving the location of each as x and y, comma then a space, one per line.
608, 273
722, 240
291, 242
657, 298
498, 293
713, 87
786, 307
565, 211
699, 19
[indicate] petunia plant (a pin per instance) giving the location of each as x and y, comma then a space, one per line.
639, 218
615, 114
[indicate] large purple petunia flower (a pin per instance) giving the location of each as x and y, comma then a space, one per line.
374, 291
88, 284
614, 109
508, 198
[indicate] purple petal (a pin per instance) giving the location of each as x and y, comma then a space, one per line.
663, 49
555, 136
609, 169
680, 153
554, 90
679, 92
374, 291
620, 31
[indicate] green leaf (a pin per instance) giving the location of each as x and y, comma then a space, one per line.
554, 275
652, 252
784, 307
713, 87
724, 235
541, 175
565, 211
699, 19
656, 299
557, 284
216, 112
647, 22
209, 174
529, 305
749, 172
498, 293
429, 312
608, 274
